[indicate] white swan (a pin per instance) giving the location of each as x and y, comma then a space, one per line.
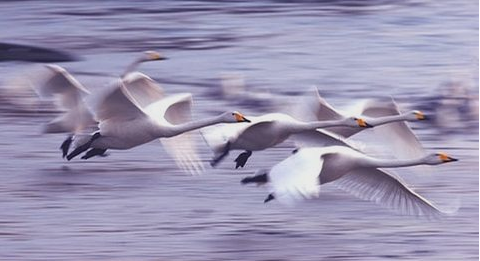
300, 176
264, 132
124, 123
68, 93
394, 129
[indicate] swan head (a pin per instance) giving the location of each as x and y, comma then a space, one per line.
438, 158
415, 116
357, 122
152, 56
234, 116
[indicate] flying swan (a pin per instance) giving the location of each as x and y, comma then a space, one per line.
68, 93
300, 176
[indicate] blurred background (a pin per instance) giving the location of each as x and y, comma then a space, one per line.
251, 57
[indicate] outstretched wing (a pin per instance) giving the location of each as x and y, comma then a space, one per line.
116, 104
143, 89
386, 190
68, 95
398, 135
174, 110
56, 82
318, 138
296, 177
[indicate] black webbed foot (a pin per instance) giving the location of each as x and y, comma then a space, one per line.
259, 179
83, 147
241, 160
66, 146
269, 197
94, 152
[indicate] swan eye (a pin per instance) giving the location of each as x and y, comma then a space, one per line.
233, 114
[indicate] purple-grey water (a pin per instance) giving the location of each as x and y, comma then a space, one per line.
137, 205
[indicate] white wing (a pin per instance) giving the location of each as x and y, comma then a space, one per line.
174, 110
296, 177
376, 185
398, 135
55, 82
117, 104
143, 89
318, 138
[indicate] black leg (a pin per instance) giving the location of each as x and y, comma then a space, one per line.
269, 197
217, 159
83, 147
94, 152
242, 158
260, 179
66, 145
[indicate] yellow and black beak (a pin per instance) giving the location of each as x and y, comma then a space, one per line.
240, 118
445, 158
363, 123
420, 116
154, 56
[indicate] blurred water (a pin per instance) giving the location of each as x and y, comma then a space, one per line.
137, 205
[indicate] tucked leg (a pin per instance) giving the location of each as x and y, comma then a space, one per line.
218, 158
269, 197
83, 147
242, 158
94, 152
66, 145
259, 179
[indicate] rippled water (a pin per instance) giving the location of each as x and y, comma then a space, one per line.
137, 205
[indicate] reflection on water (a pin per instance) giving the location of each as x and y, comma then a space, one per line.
137, 204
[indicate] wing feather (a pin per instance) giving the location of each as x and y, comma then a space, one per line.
386, 190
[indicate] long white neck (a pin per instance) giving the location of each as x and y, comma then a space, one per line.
132, 66
193, 125
306, 126
388, 119
392, 163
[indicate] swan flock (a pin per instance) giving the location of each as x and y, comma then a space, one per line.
134, 109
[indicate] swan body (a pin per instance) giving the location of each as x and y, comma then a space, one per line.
263, 132
300, 176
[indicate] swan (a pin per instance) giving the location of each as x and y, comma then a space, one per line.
393, 131
264, 132
124, 123
301, 174
56, 82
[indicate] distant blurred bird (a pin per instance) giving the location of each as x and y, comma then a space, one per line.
264, 132
300, 176
394, 130
29, 53
233, 88
68, 93
126, 122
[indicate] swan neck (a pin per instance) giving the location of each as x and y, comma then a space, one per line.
387, 119
131, 67
307, 126
193, 125
394, 163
